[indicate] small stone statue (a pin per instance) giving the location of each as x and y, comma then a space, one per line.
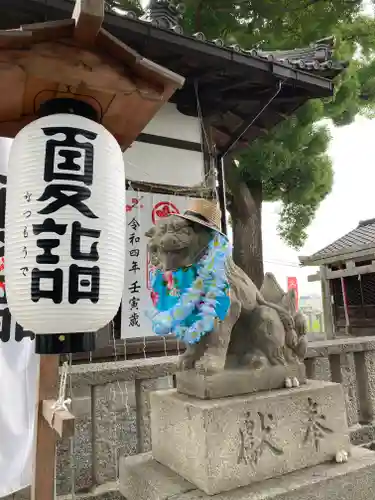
247, 330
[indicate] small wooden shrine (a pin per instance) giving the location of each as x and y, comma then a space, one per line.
347, 275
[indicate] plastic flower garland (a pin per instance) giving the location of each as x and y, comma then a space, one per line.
201, 299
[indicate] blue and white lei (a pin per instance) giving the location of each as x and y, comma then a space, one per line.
193, 314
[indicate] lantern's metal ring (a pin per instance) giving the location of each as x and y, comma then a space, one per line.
69, 91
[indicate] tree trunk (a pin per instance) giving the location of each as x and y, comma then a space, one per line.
198, 17
246, 213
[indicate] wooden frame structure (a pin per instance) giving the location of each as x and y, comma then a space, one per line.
77, 58
347, 276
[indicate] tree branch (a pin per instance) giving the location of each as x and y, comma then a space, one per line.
245, 203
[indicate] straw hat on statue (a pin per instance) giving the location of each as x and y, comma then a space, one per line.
204, 212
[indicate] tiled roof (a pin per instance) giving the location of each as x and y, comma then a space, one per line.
235, 87
316, 58
361, 237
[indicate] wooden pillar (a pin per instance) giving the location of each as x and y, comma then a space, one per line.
327, 304
346, 307
50, 425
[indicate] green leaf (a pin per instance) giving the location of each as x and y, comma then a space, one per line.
292, 161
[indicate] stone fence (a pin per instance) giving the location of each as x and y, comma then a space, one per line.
111, 404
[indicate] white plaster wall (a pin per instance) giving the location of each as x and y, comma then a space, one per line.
171, 123
165, 165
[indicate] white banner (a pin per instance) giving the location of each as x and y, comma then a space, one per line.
142, 211
18, 379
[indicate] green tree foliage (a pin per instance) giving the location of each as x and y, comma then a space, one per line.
290, 164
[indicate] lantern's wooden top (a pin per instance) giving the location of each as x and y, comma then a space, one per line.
77, 58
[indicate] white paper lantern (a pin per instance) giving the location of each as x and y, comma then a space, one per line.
65, 226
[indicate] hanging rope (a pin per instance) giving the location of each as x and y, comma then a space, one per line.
62, 402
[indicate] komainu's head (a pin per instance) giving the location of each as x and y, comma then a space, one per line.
176, 242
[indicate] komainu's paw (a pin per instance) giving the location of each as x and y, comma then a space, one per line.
209, 364
341, 457
185, 362
288, 383
295, 382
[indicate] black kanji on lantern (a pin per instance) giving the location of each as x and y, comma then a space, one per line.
69, 160
4, 319
49, 226
48, 244
21, 334
66, 195
83, 283
78, 157
78, 232
54, 289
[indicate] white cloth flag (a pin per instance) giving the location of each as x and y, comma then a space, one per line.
18, 378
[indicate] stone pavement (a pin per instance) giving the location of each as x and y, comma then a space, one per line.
143, 478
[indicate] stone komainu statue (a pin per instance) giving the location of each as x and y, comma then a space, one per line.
260, 329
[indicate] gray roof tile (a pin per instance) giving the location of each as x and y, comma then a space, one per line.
363, 235
316, 58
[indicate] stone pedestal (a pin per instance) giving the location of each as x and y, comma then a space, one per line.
223, 444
